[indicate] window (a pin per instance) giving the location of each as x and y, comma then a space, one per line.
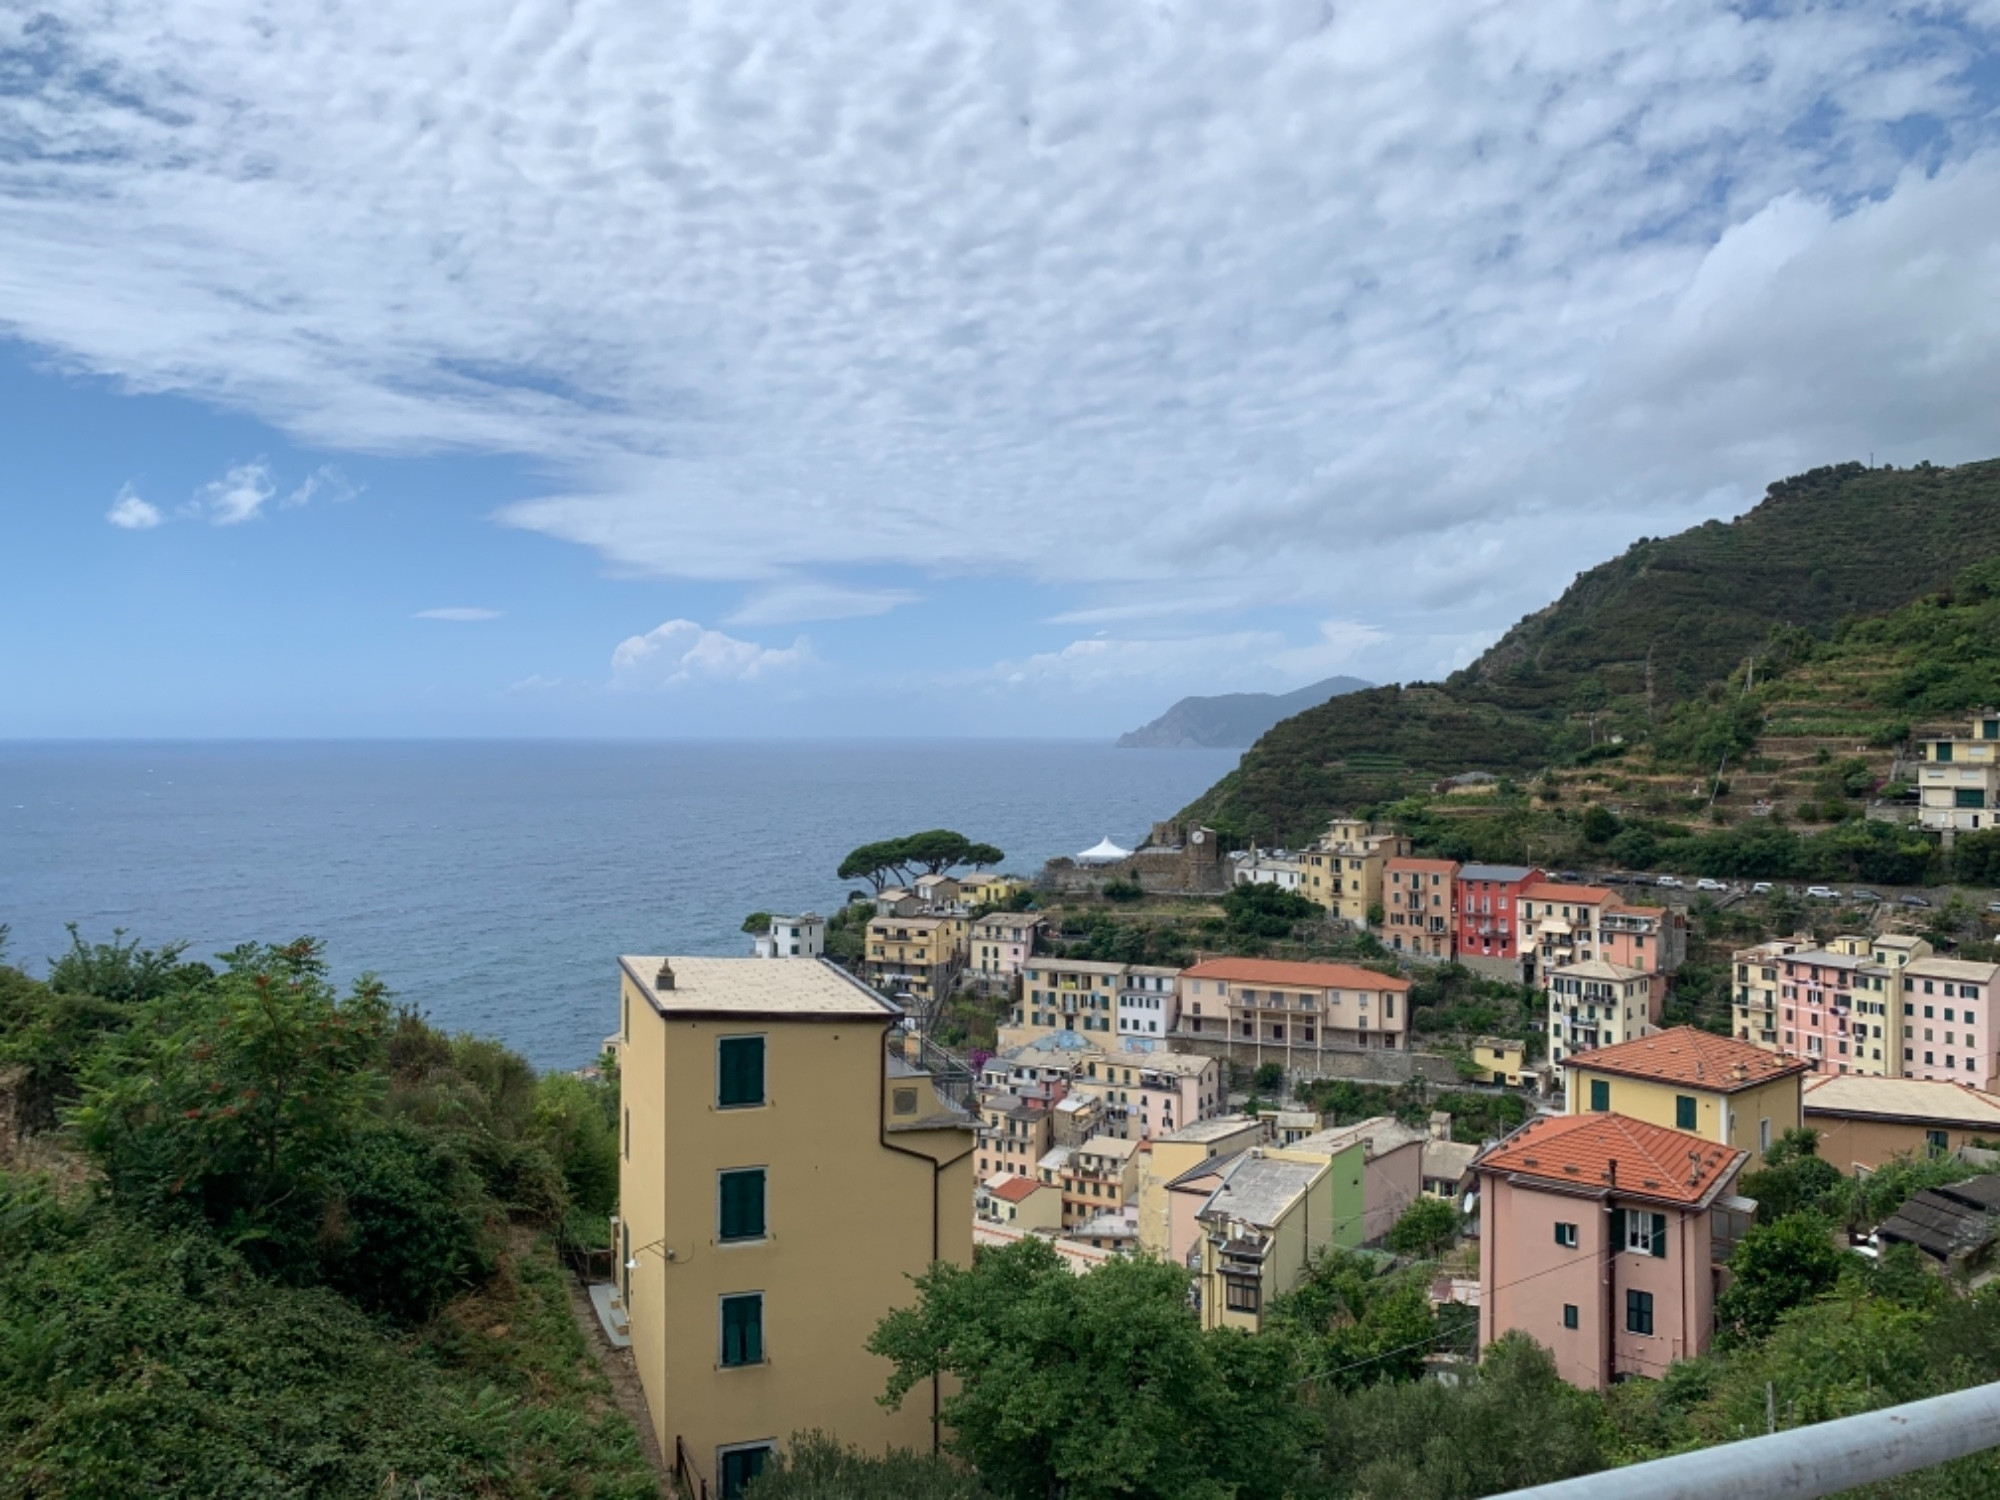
739, 1072
625, 1015
1566, 1237
743, 1330
1683, 1112
738, 1466
741, 1215
1764, 1130
1569, 1315
1600, 1095
1639, 1312
1241, 1296
1937, 1142
1646, 1233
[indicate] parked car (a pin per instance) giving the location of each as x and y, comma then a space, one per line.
1672, 882
1822, 893
1705, 884
1761, 888
1857, 894
1914, 900
1992, 906
1570, 877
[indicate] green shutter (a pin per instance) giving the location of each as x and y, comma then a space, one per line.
743, 1330
739, 1071
742, 1205
1683, 1112
1659, 1236
1600, 1095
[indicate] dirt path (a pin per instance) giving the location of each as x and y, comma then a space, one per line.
623, 1373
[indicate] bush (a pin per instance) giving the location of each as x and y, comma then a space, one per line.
816, 1466
1123, 890
1427, 1227
404, 1231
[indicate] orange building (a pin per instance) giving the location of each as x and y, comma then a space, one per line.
1420, 906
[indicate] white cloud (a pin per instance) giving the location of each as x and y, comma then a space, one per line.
680, 651
236, 497
463, 614
1403, 312
789, 603
324, 483
1228, 662
130, 513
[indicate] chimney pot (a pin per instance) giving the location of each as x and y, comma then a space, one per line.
664, 980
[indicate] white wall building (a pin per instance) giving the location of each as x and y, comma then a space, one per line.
1268, 867
1958, 784
1148, 1001
792, 937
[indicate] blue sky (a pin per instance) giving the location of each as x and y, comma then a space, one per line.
728, 369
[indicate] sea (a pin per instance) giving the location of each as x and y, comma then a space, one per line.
494, 883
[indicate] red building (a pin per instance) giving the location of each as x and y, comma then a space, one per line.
1489, 916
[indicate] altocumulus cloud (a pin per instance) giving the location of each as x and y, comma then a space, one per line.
236, 497
1401, 312
680, 651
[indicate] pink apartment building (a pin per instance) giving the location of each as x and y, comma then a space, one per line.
1601, 1238
1834, 1011
1948, 1029
1570, 924
1420, 906
1002, 942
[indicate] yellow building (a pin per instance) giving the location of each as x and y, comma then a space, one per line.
1022, 1203
1067, 994
1865, 1123
1501, 1059
1101, 1177
782, 1175
917, 955
1174, 1155
1755, 991
1344, 871
989, 890
1717, 1087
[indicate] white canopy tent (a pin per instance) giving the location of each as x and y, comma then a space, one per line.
1104, 852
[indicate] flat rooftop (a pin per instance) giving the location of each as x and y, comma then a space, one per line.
809, 990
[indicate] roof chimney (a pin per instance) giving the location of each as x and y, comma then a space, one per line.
664, 980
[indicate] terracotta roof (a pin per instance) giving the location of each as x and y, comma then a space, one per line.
1589, 895
1411, 862
1281, 971
1932, 1101
1577, 1152
1689, 1055
1014, 1189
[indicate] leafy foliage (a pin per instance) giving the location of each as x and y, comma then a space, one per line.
1777, 1267
1263, 910
815, 1466
933, 851
1427, 1227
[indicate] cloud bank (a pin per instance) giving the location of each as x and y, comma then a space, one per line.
680, 652
1386, 313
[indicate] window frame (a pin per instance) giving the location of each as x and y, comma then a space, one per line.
722, 1072
1570, 1315
723, 1178
766, 1446
1639, 1311
1242, 1294
1686, 1112
761, 1354
1566, 1235
1600, 1096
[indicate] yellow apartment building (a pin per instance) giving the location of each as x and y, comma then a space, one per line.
782, 1175
918, 955
989, 890
1068, 994
1270, 1214
1501, 1059
1344, 871
1101, 1177
1720, 1088
1174, 1155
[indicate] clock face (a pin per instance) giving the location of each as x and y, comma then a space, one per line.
1198, 836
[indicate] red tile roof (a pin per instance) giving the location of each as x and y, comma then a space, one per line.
1310, 976
1412, 862
1588, 895
1014, 1189
1691, 1056
1578, 1151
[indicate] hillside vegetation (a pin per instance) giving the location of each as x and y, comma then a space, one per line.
1632, 643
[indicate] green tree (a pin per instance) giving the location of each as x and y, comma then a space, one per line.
1600, 825
816, 1466
1427, 1227
1269, 1078
1263, 910
759, 922
1098, 1386
1776, 1267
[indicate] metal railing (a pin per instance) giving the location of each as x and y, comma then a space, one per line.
1805, 1462
687, 1478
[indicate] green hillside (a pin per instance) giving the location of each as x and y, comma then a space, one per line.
1627, 644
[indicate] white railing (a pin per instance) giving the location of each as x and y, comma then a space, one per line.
1805, 1462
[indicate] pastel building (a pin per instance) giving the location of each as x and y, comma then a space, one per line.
1865, 1123
918, 955
1290, 1011
1420, 906
1392, 1159
1602, 1237
1100, 1177
1948, 1029
1002, 943
1837, 1011
792, 937
782, 1177
1344, 870
1148, 1001
1170, 1173
1958, 784
1722, 1089
1270, 1212
1021, 1203
1149, 1091
1569, 924
1600, 1004
1069, 994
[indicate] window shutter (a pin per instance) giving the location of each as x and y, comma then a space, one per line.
1659, 1236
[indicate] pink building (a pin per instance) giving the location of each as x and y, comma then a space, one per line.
1829, 1004
1420, 906
1948, 1029
1602, 1238
1002, 942
1570, 924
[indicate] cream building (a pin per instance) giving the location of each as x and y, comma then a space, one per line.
1958, 784
1599, 1004
782, 1176
1344, 871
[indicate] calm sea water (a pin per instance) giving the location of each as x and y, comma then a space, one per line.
494, 883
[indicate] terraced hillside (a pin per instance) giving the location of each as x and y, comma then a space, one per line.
1643, 647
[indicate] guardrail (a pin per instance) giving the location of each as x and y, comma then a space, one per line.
1805, 1462
686, 1477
